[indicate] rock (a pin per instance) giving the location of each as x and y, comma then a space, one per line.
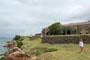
15, 53
11, 44
18, 56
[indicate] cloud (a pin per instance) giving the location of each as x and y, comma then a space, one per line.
26, 17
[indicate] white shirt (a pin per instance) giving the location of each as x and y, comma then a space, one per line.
81, 44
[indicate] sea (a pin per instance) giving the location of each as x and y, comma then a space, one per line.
3, 41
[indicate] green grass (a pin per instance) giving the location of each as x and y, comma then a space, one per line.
62, 52
38, 51
75, 35
1, 57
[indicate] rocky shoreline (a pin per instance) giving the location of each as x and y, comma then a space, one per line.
15, 53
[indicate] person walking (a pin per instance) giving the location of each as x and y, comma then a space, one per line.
81, 44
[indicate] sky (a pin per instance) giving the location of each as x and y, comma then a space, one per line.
26, 17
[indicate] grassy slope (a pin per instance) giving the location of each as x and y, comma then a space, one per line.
1, 58
65, 51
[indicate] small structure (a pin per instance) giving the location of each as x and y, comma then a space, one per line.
45, 31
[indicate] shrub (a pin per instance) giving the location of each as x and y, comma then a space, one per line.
19, 44
39, 51
2, 58
17, 37
18, 40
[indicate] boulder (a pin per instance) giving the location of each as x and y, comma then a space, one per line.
18, 56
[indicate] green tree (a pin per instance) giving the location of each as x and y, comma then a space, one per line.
56, 29
17, 37
19, 44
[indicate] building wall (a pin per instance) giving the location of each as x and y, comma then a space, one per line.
45, 31
84, 29
73, 29
66, 39
79, 29
70, 29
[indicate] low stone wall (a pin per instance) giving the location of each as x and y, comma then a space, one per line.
34, 37
65, 39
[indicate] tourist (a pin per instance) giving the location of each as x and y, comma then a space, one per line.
81, 45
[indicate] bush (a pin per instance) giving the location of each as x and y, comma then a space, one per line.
39, 51
2, 58
18, 40
19, 44
17, 37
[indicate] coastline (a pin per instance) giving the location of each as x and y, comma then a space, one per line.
14, 51
3, 41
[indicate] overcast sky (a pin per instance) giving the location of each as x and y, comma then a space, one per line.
26, 17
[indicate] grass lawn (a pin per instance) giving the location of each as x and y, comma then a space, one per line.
63, 52
74, 35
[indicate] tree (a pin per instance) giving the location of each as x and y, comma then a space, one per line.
55, 29
17, 37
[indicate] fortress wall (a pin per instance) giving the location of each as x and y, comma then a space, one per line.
65, 39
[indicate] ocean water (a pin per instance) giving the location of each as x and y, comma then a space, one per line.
2, 43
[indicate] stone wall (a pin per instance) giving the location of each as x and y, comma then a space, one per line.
35, 37
65, 39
